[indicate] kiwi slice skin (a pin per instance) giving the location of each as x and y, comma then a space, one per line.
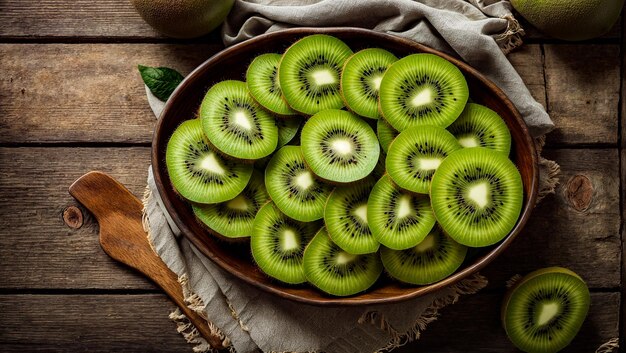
433, 259
360, 80
422, 89
309, 73
337, 272
479, 126
197, 172
386, 134
544, 310
339, 147
477, 195
262, 81
293, 187
398, 219
235, 124
345, 216
416, 153
278, 243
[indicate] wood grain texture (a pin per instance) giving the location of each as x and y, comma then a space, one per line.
583, 84
62, 92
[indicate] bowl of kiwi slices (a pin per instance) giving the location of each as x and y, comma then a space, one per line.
342, 166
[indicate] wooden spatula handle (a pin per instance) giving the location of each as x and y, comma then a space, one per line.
119, 214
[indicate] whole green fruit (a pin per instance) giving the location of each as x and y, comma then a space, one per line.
183, 18
570, 19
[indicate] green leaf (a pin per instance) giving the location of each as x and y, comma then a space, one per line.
160, 80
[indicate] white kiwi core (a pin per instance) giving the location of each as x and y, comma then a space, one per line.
469, 141
342, 147
426, 244
323, 77
238, 203
211, 164
344, 258
304, 180
242, 120
289, 240
478, 193
547, 312
376, 82
423, 97
361, 212
429, 163
404, 206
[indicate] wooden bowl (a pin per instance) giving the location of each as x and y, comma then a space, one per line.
231, 64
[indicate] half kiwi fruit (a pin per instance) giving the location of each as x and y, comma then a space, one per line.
386, 133
293, 187
197, 171
360, 80
477, 194
415, 155
309, 73
433, 259
479, 126
422, 89
545, 310
262, 81
278, 243
339, 146
336, 271
235, 124
397, 218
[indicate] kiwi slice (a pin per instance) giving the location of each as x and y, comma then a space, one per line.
235, 124
262, 81
360, 80
544, 311
386, 133
336, 271
477, 196
309, 73
199, 173
398, 219
422, 89
416, 153
345, 216
293, 187
278, 243
339, 146
479, 126
233, 218
433, 259
287, 129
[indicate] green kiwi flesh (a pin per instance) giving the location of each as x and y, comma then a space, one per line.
287, 129
416, 153
345, 216
309, 73
262, 81
336, 271
422, 89
477, 194
360, 80
339, 146
386, 133
234, 218
197, 171
235, 124
398, 219
544, 311
479, 126
278, 243
433, 259
293, 187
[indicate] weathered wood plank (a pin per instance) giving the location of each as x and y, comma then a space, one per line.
582, 84
60, 92
527, 60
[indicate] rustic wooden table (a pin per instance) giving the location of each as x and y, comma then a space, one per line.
71, 101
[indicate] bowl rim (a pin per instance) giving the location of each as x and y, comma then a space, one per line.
410, 292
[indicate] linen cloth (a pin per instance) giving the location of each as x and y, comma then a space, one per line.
477, 31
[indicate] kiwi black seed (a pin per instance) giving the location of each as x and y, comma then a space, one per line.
278, 243
397, 218
235, 124
336, 271
415, 154
479, 126
544, 311
197, 171
234, 218
422, 89
477, 195
386, 133
309, 73
433, 259
360, 80
345, 216
293, 187
339, 146
262, 81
